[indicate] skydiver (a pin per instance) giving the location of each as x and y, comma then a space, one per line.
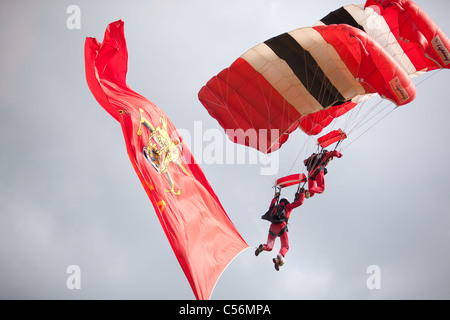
316, 166
279, 227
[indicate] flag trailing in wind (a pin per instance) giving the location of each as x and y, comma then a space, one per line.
200, 233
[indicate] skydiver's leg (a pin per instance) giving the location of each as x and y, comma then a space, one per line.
279, 260
273, 231
318, 185
311, 186
320, 180
270, 243
284, 245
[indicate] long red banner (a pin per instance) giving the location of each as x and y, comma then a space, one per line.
200, 232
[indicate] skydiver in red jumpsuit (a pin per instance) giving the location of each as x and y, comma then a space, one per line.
280, 229
316, 165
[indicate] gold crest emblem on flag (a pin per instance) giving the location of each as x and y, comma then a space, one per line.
161, 150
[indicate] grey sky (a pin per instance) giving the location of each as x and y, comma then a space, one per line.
69, 195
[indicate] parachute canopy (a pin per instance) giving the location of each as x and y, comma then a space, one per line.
401, 27
331, 137
306, 78
290, 180
261, 97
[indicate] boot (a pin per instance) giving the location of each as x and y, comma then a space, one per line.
281, 259
259, 250
278, 262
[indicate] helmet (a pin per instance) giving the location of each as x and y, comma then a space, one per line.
284, 200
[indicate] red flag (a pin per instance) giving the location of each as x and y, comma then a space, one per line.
201, 234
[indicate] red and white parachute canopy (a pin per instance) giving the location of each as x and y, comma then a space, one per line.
308, 77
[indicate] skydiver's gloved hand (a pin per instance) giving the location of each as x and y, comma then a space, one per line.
297, 194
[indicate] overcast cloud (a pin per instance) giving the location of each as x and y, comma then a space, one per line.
69, 195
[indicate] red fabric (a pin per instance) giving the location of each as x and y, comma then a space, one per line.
240, 98
368, 61
317, 185
201, 234
290, 180
423, 41
332, 137
314, 123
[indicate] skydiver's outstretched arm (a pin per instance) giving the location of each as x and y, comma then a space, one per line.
297, 203
331, 154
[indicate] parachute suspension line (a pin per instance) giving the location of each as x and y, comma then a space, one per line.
389, 104
379, 120
365, 117
277, 190
302, 185
299, 153
294, 151
364, 121
355, 116
358, 121
352, 115
339, 142
289, 155
359, 125
429, 75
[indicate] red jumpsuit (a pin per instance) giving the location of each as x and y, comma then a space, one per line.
275, 229
316, 177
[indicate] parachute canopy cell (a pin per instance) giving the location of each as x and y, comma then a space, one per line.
261, 97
